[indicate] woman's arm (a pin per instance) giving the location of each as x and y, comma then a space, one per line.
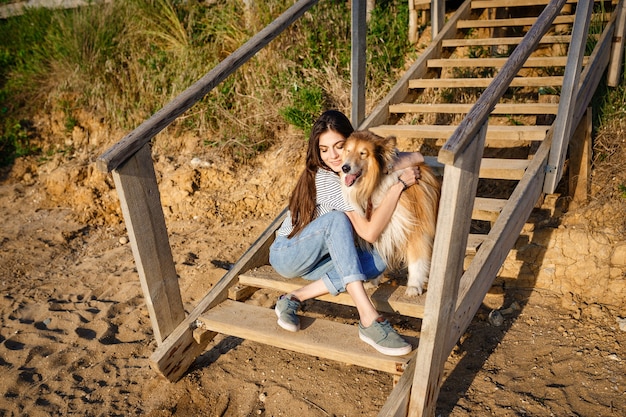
371, 229
407, 159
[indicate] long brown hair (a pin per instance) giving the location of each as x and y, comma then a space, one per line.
302, 201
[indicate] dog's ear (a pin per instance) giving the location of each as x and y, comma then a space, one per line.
385, 152
391, 140
389, 148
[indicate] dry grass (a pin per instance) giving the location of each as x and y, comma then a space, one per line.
607, 203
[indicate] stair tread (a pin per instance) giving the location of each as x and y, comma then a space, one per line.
551, 81
511, 133
487, 208
386, 297
482, 4
544, 61
501, 108
511, 40
317, 337
523, 21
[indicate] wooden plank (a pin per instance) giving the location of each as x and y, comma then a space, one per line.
552, 81
317, 337
484, 4
507, 133
614, 72
568, 97
412, 22
459, 186
454, 108
474, 120
398, 400
132, 142
18, 8
487, 209
180, 349
503, 169
512, 40
387, 298
399, 92
438, 16
136, 185
532, 62
473, 243
357, 62
520, 21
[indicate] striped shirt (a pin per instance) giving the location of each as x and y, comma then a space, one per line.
329, 198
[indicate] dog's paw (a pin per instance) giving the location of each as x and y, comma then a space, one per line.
414, 291
372, 283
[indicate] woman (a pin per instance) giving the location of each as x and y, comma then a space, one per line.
316, 240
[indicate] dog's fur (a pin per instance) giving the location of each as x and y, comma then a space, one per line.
408, 239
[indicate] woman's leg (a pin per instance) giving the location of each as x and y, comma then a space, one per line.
312, 290
367, 311
324, 249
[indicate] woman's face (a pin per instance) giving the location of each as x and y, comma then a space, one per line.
331, 148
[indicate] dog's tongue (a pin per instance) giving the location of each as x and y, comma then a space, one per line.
349, 179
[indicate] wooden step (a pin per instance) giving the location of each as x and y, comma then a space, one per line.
552, 81
512, 40
473, 243
497, 169
532, 62
386, 297
487, 209
503, 169
454, 108
507, 133
484, 4
317, 337
520, 21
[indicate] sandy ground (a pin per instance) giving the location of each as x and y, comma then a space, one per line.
75, 335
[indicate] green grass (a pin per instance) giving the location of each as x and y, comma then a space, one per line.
123, 61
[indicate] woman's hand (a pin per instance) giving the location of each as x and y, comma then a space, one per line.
409, 176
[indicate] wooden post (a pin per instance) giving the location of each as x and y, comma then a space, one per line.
569, 91
580, 161
458, 192
412, 22
617, 48
438, 16
137, 188
357, 66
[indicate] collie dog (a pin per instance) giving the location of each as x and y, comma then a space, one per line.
365, 179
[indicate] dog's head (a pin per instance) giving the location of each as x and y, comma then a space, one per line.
366, 155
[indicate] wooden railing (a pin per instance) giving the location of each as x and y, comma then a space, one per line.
130, 162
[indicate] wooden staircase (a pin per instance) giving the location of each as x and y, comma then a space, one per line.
485, 199
332, 340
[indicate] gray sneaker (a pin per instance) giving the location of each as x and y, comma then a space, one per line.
285, 309
382, 337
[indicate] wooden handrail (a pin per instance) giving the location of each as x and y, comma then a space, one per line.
477, 116
131, 143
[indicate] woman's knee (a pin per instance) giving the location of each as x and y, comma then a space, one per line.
339, 220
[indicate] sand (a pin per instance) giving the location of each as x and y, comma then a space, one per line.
75, 336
